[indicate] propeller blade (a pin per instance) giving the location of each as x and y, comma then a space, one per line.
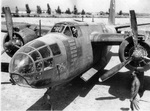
9, 22
147, 58
2, 51
134, 28
39, 28
6, 83
114, 70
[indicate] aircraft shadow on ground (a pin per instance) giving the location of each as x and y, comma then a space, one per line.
120, 85
65, 95
119, 88
62, 97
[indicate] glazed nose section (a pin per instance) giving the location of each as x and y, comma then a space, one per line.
20, 80
21, 69
34, 65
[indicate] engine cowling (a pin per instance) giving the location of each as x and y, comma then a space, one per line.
20, 38
126, 50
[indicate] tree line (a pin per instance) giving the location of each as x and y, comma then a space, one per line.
48, 11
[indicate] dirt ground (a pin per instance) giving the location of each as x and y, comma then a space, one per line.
77, 95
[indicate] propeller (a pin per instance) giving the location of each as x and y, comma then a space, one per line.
136, 55
2, 51
9, 22
6, 83
146, 58
134, 29
114, 70
14, 42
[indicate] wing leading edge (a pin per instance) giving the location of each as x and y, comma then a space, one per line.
117, 27
114, 39
109, 39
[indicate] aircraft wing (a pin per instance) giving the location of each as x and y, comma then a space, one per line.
17, 24
113, 39
116, 39
117, 27
20, 25
109, 39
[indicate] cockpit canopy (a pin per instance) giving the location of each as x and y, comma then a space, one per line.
67, 28
58, 28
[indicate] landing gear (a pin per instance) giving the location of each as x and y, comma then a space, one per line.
47, 98
50, 97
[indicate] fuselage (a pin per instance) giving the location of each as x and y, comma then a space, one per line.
59, 56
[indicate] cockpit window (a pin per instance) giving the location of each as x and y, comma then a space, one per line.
67, 31
58, 28
35, 55
48, 64
38, 66
26, 49
45, 52
74, 31
55, 49
37, 44
22, 64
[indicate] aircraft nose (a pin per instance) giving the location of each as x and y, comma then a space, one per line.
21, 70
33, 65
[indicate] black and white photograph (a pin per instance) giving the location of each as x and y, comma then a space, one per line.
75, 55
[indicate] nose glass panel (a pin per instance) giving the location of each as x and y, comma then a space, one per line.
22, 64
20, 80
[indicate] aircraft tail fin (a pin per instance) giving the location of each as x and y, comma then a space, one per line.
111, 19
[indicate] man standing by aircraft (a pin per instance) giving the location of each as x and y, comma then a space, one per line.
136, 89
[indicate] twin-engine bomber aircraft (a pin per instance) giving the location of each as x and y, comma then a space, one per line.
73, 48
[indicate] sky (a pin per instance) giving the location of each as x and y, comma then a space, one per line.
140, 6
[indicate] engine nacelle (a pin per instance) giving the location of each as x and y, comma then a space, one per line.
126, 50
22, 37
